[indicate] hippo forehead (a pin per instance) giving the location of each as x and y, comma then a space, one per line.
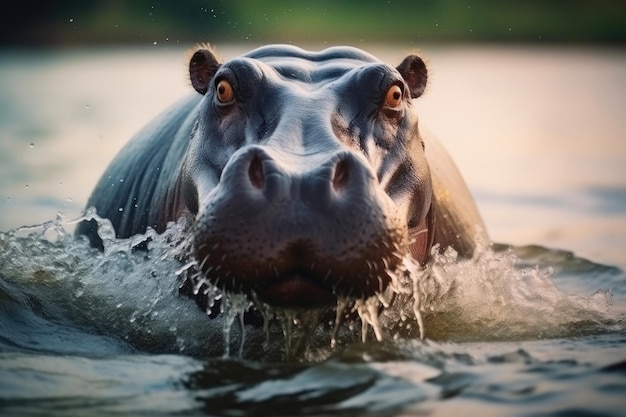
296, 64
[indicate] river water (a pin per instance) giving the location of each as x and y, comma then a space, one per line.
533, 326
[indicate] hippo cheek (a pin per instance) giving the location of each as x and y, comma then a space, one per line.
300, 249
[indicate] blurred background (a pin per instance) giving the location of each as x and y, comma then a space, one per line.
529, 96
77, 22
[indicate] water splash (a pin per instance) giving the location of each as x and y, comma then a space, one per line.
124, 293
489, 297
235, 307
132, 296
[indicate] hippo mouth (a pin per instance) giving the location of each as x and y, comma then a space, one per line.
296, 290
302, 274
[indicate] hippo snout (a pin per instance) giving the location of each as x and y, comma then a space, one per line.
299, 230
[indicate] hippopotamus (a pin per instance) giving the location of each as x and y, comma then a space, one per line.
306, 175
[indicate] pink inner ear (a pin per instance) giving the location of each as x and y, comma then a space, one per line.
419, 241
202, 67
419, 244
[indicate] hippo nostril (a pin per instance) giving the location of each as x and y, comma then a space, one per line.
341, 175
255, 172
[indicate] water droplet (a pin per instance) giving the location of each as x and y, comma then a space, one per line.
71, 20
87, 106
26, 186
154, 43
8, 198
120, 209
31, 145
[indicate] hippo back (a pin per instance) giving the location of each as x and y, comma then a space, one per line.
133, 191
458, 223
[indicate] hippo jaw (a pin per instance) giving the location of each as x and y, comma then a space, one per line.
315, 199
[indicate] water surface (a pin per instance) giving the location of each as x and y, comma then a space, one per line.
533, 329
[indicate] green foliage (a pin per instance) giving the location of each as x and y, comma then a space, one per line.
144, 22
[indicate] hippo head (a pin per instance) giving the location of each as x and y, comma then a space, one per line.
309, 173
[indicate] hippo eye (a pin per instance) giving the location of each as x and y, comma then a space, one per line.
225, 92
394, 96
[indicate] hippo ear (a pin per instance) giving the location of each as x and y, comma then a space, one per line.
413, 70
202, 66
